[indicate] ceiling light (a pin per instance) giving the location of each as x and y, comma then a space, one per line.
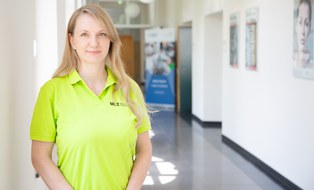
132, 10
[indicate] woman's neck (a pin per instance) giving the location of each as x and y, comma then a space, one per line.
94, 76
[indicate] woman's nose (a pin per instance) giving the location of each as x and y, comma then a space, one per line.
304, 28
93, 41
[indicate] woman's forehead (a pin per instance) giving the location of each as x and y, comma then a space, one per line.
88, 22
304, 8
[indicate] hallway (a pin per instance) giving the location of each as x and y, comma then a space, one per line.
187, 156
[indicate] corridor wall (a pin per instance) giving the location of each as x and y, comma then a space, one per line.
17, 93
269, 112
4, 101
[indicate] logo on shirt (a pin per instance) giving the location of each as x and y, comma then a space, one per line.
118, 104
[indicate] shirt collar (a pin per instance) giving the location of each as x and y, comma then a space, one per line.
74, 77
111, 79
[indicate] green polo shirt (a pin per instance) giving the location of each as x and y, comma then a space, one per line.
95, 135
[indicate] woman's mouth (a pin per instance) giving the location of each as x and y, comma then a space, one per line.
93, 52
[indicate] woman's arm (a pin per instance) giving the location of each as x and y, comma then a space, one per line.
142, 161
47, 169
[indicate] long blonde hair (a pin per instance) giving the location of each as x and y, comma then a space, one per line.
113, 60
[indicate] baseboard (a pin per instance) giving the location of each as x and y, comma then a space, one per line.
281, 180
207, 124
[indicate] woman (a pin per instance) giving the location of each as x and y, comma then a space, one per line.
303, 29
93, 112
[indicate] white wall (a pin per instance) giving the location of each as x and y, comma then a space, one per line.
17, 70
17, 93
185, 10
269, 112
166, 16
171, 13
212, 77
207, 60
198, 65
47, 38
5, 101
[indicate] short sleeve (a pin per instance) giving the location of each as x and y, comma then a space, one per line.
43, 125
139, 99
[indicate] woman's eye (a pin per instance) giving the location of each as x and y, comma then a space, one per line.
306, 22
83, 34
103, 34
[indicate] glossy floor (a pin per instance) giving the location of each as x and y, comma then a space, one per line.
187, 156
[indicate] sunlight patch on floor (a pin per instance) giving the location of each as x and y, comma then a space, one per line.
166, 172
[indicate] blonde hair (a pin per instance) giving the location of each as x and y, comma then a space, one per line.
113, 60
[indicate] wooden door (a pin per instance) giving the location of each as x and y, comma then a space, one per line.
128, 56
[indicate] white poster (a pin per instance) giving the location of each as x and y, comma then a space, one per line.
234, 40
251, 38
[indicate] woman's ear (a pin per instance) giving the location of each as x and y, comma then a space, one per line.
71, 41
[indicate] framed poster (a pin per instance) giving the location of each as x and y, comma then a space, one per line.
251, 38
303, 39
234, 40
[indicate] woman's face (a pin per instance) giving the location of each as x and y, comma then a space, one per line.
90, 40
303, 26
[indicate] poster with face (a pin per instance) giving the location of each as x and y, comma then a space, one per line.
251, 38
234, 40
303, 39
